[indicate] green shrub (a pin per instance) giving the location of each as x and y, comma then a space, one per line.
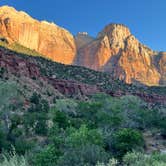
67, 106
8, 91
88, 112
88, 154
75, 144
35, 98
140, 159
2, 71
12, 159
4, 144
46, 157
35, 119
22, 145
60, 119
83, 136
126, 140
112, 162
162, 126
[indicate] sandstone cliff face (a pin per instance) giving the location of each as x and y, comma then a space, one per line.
117, 51
95, 54
48, 39
162, 66
82, 39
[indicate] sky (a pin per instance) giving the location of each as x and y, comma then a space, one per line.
145, 18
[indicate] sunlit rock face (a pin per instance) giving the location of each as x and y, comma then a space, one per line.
117, 51
114, 50
47, 38
133, 60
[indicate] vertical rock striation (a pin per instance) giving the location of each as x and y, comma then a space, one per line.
46, 38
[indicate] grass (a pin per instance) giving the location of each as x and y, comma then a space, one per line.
19, 49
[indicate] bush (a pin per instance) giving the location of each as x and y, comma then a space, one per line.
162, 125
67, 106
47, 157
126, 140
112, 162
60, 119
140, 159
4, 144
35, 119
22, 145
84, 136
88, 113
13, 159
41, 127
88, 155
2, 71
35, 98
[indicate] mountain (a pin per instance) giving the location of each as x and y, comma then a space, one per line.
115, 50
46, 38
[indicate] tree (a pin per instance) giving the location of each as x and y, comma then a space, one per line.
88, 154
35, 119
126, 140
83, 136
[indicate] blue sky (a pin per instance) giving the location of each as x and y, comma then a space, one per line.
145, 18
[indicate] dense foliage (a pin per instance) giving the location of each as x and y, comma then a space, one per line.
101, 131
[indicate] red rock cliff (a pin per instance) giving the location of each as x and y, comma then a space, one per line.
115, 49
47, 38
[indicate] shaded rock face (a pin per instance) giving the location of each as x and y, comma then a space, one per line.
94, 55
47, 38
82, 39
162, 67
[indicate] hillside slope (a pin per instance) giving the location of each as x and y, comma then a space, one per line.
71, 81
52, 113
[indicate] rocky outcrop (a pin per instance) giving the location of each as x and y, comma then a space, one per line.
17, 66
46, 38
23, 67
27, 68
73, 88
117, 51
149, 98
